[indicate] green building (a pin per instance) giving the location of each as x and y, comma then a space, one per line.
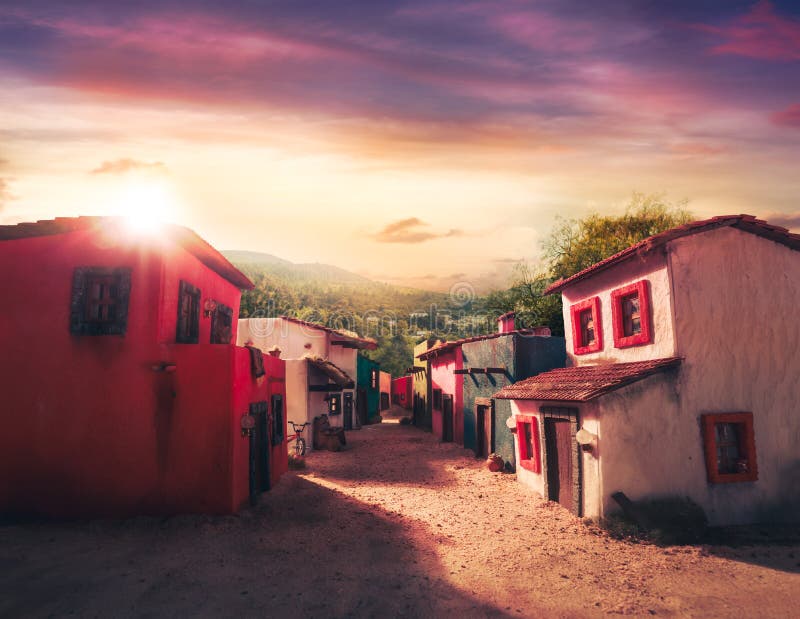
368, 388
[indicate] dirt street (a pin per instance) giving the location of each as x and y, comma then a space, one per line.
397, 525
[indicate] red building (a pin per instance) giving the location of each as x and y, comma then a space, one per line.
403, 391
122, 391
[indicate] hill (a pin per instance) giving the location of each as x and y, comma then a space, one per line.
396, 316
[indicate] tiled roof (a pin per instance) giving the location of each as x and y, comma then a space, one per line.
364, 343
445, 346
746, 223
585, 382
332, 371
186, 238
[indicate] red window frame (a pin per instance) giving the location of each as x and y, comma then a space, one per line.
576, 310
645, 335
530, 461
747, 446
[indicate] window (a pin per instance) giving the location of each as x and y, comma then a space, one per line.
587, 332
222, 325
730, 447
373, 379
100, 301
437, 399
528, 438
630, 313
188, 329
278, 423
334, 401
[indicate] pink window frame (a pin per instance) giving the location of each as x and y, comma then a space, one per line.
575, 312
531, 462
645, 336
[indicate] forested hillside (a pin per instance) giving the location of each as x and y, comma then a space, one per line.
397, 317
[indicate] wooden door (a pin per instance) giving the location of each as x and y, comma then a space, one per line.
484, 429
447, 418
348, 410
558, 443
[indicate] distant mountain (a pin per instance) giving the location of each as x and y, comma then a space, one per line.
310, 271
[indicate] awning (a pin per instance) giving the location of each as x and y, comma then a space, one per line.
336, 374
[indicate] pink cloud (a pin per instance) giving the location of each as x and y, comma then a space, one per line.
696, 149
790, 117
761, 33
121, 166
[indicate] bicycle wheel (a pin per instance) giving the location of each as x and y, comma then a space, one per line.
300, 447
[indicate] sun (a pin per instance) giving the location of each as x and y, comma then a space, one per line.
146, 204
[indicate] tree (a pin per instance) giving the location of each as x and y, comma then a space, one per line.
575, 244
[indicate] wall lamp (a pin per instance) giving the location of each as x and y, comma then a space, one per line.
209, 307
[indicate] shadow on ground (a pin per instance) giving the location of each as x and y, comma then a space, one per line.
304, 551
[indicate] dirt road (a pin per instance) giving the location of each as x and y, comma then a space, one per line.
397, 525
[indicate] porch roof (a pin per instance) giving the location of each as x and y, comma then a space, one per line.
583, 383
336, 374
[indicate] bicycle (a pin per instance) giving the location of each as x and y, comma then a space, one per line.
299, 441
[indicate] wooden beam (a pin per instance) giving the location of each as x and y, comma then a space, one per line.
495, 370
329, 387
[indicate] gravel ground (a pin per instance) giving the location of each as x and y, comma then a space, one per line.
396, 525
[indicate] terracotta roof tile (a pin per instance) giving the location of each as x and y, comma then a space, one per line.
445, 346
186, 238
746, 223
332, 371
585, 382
366, 343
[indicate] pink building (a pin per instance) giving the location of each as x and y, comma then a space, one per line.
447, 391
682, 380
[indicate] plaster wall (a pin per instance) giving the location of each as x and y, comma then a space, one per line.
290, 337
736, 296
403, 391
422, 387
653, 268
443, 377
297, 409
103, 432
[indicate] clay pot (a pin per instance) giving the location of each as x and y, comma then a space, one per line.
494, 463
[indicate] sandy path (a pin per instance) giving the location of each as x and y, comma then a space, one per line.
397, 525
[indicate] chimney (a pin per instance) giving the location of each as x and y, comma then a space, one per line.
274, 352
506, 323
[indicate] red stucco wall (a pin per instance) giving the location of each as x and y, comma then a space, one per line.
403, 391
89, 428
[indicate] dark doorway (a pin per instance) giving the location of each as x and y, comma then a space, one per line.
384, 401
484, 425
259, 451
361, 408
348, 410
447, 418
558, 445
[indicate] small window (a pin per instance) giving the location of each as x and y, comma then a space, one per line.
630, 313
587, 332
278, 423
528, 438
373, 379
100, 299
334, 403
730, 447
437, 399
222, 325
188, 329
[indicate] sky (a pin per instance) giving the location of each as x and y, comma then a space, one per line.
429, 143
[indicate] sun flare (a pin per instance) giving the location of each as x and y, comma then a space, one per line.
146, 205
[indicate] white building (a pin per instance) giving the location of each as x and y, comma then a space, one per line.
320, 366
683, 378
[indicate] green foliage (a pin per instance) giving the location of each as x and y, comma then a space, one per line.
575, 244
396, 317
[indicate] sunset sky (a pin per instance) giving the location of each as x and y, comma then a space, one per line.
396, 139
